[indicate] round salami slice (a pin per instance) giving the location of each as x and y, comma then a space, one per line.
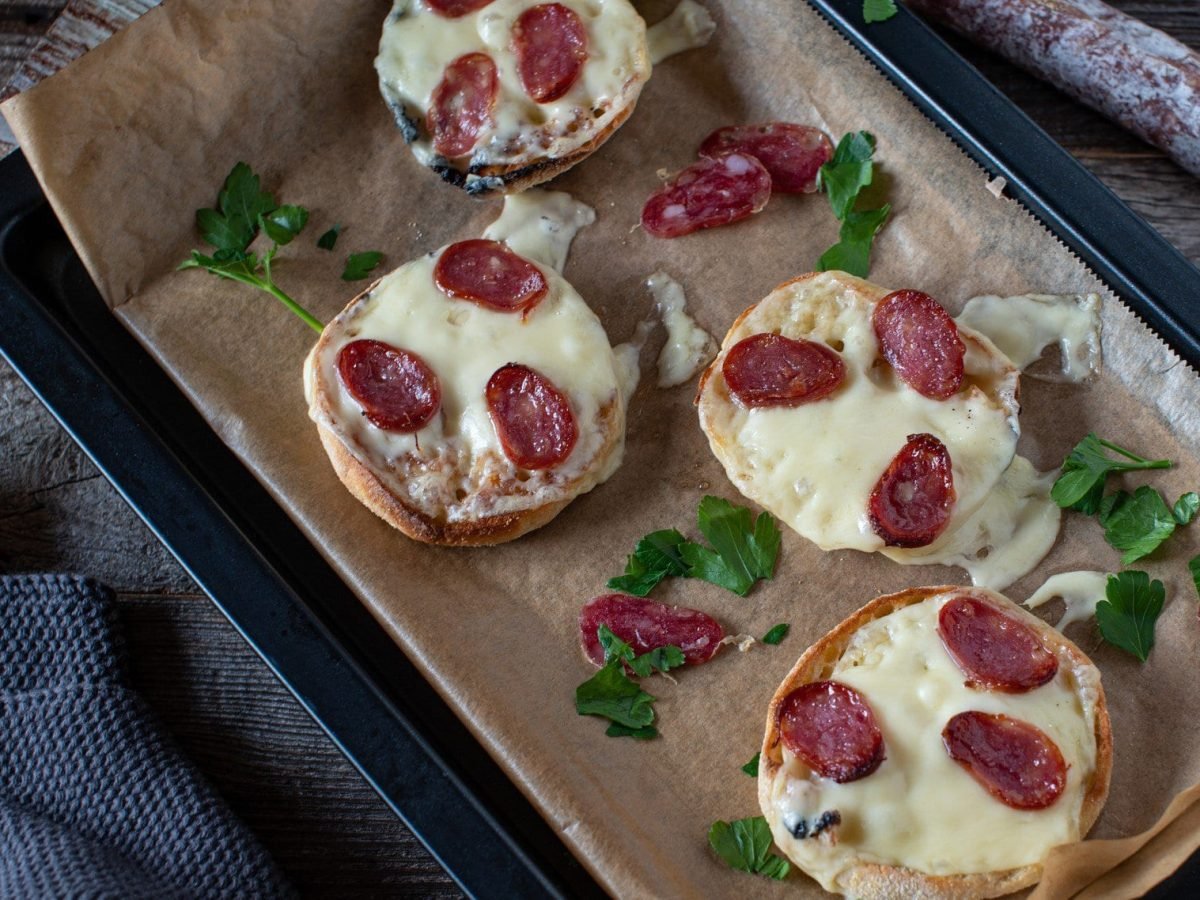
462, 103
911, 503
830, 727
920, 341
490, 274
1014, 761
793, 154
532, 417
453, 9
766, 370
646, 625
395, 388
706, 194
993, 649
550, 42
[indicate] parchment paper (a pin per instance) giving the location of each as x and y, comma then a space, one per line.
131, 139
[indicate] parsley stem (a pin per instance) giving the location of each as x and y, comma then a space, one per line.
312, 321
1142, 463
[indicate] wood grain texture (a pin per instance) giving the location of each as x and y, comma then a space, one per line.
328, 830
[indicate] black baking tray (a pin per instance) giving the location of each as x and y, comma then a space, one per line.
304, 622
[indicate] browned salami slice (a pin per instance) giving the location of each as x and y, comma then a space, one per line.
462, 104
646, 625
993, 649
452, 9
830, 727
395, 388
793, 154
706, 194
920, 341
1014, 761
550, 42
532, 417
772, 370
912, 500
490, 274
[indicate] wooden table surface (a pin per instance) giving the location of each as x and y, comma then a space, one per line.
327, 829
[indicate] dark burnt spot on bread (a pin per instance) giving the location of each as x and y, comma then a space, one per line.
410, 126
447, 172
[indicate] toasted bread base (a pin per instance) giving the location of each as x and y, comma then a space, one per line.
885, 882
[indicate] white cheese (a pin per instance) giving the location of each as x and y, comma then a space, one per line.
689, 347
920, 809
1022, 327
687, 27
540, 225
1080, 592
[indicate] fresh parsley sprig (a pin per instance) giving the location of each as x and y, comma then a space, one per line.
743, 550
1086, 470
745, 844
842, 179
613, 695
1130, 610
878, 10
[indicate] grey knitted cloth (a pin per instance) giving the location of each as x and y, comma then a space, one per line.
95, 799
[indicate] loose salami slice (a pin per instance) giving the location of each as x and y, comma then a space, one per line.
646, 625
830, 727
1014, 761
920, 341
772, 370
551, 46
532, 417
793, 154
994, 650
462, 104
490, 274
452, 9
910, 504
706, 194
395, 388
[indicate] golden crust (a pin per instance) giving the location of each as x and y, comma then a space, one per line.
885, 882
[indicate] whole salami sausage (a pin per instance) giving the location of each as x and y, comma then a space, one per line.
1137, 76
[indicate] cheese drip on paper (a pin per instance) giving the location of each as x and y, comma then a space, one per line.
920, 809
1080, 592
687, 27
540, 225
1022, 327
689, 347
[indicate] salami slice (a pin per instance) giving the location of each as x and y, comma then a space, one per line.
911, 503
793, 154
1015, 762
532, 417
920, 341
490, 274
453, 9
830, 727
395, 388
994, 650
706, 194
462, 103
646, 625
766, 370
550, 42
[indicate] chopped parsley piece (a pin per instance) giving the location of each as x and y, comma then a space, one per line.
329, 238
843, 179
878, 10
1132, 606
613, 695
359, 265
1136, 523
751, 768
1185, 507
654, 558
776, 634
1194, 568
1087, 467
745, 844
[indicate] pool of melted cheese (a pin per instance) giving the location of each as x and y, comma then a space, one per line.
920, 809
418, 44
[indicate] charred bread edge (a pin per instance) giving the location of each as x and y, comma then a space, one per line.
879, 880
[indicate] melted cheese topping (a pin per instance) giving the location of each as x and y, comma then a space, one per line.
1080, 592
815, 465
418, 44
689, 347
920, 809
1022, 327
687, 27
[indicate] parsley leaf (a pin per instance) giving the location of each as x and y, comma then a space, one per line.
243, 209
1132, 606
638, 734
1194, 568
751, 768
611, 694
329, 238
878, 10
848, 172
660, 659
359, 265
776, 634
1136, 523
852, 252
654, 558
745, 845
1186, 507
1087, 466
742, 553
